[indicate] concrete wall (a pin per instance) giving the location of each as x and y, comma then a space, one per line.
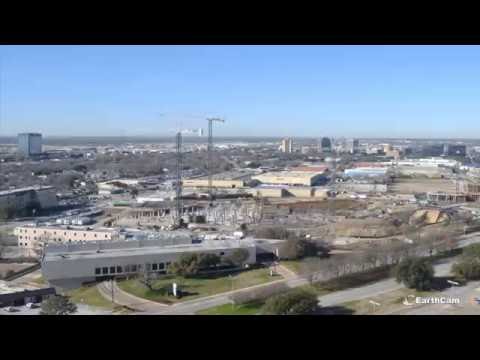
301, 192
289, 178
269, 192
201, 183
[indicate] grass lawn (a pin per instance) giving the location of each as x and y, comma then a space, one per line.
40, 280
251, 308
390, 301
196, 287
293, 265
89, 295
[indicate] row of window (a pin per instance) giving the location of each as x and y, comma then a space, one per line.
115, 270
65, 233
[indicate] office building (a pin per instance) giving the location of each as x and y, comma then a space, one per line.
353, 146
30, 144
326, 144
287, 146
68, 266
455, 150
433, 150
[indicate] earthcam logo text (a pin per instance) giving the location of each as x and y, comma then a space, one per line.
416, 300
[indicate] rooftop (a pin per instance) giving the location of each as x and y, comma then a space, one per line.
141, 250
25, 189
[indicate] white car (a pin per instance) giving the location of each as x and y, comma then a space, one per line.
31, 305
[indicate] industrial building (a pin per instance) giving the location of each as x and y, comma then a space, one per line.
446, 197
203, 183
29, 198
367, 172
362, 187
32, 238
470, 188
227, 180
67, 266
428, 162
294, 178
11, 295
29, 144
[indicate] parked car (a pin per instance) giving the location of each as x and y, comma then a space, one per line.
31, 305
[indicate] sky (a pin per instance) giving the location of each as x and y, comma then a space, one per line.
338, 91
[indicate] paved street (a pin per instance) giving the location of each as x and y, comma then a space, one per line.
467, 305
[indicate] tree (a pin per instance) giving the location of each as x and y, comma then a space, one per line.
134, 192
294, 302
238, 257
415, 273
298, 249
468, 268
187, 265
207, 261
58, 305
190, 264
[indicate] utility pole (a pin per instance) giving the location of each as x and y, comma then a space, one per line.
209, 154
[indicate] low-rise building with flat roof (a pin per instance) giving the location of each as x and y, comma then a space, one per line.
34, 197
67, 266
295, 178
33, 238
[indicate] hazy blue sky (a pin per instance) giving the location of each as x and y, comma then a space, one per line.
364, 91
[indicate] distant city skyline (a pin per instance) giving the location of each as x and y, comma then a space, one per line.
427, 92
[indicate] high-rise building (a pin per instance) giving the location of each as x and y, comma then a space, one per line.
30, 143
326, 144
433, 150
353, 146
454, 150
287, 145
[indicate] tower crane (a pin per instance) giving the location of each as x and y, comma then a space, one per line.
179, 169
209, 153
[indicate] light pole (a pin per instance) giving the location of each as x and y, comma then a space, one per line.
113, 298
233, 301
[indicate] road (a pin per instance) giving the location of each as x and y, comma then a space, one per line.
467, 305
191, 307
81, 310
380, 287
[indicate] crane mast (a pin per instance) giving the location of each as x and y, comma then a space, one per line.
210, 153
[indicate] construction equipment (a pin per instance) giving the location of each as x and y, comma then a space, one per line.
178, 181
209, 154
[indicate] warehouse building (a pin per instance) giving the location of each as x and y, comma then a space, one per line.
294, 178
203, 183
233, 179
70, 266
11, 295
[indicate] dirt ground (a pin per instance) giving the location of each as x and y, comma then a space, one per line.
5, 267
411, 186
